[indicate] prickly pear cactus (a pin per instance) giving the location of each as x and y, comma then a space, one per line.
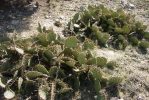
47, 66
108, 28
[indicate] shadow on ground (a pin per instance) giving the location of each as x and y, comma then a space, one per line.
15, 19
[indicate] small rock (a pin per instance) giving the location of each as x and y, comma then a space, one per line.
140, 97
76, 25
19, 50
61, 17
24, 19
95, 96
82, 8
76, 70
115, 98
124, 2
32, 6
128, 5
15, 22
10, 28
131, 6
47, 16
70, 75
11, 16
58, 23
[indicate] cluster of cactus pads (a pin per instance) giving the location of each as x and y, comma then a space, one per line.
109, 28
47, 67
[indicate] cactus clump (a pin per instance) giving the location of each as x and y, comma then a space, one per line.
47, 59
108, 28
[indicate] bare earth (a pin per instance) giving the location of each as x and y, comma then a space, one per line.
133, 65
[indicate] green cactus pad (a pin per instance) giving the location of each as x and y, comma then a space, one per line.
71, 42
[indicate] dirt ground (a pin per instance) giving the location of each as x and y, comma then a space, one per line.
133, 65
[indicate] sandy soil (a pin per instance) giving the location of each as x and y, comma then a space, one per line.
133, 65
